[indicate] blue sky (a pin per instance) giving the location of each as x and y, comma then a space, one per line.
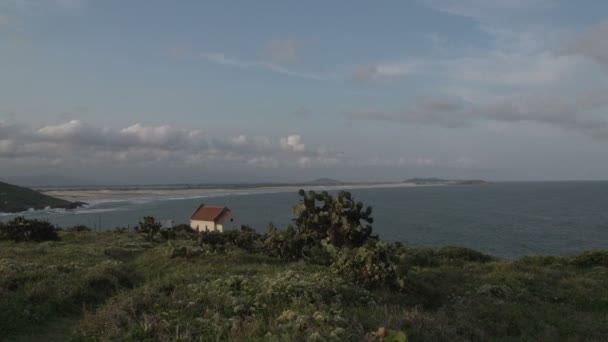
243, 91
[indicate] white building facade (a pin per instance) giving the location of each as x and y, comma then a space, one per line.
213, 219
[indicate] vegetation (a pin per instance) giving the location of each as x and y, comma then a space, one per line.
21, 230
15, 199
292, 284
149, 227
341, 222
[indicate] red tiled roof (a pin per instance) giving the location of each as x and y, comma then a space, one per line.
222, 216
209, 213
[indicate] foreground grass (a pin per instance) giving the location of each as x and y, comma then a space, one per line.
109, 287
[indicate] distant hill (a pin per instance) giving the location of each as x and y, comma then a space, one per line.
325, 181
14, 199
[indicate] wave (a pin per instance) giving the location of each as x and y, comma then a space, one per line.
87, 209
95, 211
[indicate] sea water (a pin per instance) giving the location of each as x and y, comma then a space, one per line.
506, 219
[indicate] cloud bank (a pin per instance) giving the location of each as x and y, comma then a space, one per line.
78, 143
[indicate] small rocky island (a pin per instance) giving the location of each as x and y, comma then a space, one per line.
14, 199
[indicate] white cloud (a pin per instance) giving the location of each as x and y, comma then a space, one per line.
240, 140
79, 144
293, 143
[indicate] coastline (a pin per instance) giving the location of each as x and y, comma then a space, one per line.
94, 196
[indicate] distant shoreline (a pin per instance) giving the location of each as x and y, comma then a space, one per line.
96, 195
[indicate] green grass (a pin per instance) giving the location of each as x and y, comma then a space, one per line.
16, 199
107, 287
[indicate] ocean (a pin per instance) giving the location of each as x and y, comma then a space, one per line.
505, 219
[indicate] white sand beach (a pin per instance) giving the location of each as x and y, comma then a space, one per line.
109, 195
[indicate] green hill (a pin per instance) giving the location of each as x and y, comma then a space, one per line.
14, 199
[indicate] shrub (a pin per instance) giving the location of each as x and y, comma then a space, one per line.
120, 230
287, 244
542, 260
186, 252
370, 265
78, 228
21, 230
181, 231
431, 257
167, 233
283, 306
184, 228
148, 226
212, 238
246, 238
453, 253
591, 258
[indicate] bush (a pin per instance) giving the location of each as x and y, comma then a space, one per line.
591, 258
246, 238
541, 260
370, 265
184, 228
120, 230
453, 253
186, 252
282, 306
212, 238
167, 233
78, 228
22, 230
431, 257
149, 227
287, 244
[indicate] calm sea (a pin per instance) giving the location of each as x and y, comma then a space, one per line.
508, 219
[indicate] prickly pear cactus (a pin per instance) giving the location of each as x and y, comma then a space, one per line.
340, 221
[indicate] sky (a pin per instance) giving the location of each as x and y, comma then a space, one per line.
160, 91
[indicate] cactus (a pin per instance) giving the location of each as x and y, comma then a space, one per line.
149, 227
340, 221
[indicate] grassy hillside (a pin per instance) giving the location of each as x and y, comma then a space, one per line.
119, 286
15, 199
